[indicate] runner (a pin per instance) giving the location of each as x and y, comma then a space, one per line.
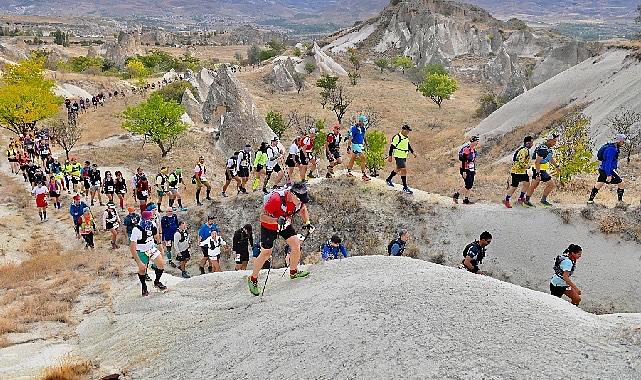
12, 156
274, 155
141, 191
108, 187
276, 219
564, 266
143, 247
87, 227
66, 171
174, 180
203, 234
544, 156
293, 160
38, 176
55, 168
467, 156
609, 162
95, 181
169, 225
214, 243
54, 187
243, 167
333, 150
130, 221
75, 175
399, 149
259, 165
397, 247
474, 253
40, 194
182, 245
200, 171
120, 188
230, 173
111, 222
84, 178
356, 144
307, 145
332, 249
23, 163
518, 173
161, 186
76, 209
243, 239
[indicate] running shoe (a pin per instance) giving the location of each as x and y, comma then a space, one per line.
185, 274
173, 265
299, 274
467, 202
223, 195
507, 203
349, 174
160, 286
365, 177
528, 204
455, 198
311, 175
173, 208
590, 201
407, 190
389, 182
546, 204
521, 200
145, 293
253, 286
183, 209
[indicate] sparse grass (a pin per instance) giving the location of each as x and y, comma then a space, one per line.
69, 369
438, 257
612, 224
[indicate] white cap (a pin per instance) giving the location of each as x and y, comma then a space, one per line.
312, 130
621, 137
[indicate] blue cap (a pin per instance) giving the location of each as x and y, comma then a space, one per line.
151, 207
86, 209
363, 119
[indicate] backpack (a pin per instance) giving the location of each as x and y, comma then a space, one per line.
460, 154
479, 257
600, 154
390, 245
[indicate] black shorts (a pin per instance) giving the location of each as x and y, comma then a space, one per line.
267, 237
54, 194
333, 155
75, 180
258, 168
302, 158
13, 160
243, 172
401, 163
227, 175
276, 169
615, 177
205, 250
291, 161
543, 175
183, 256
558, 290
244, 257
24, 167
469, 178
518, 178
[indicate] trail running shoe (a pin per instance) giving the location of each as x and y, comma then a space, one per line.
160, 286
467, 202
311, 175
349, 174
590, 201
173, 265
389, 182
183, 209
528, 204
328, 175
365, 177
185, 274
173, 209
521, 200
507, 203
455, 198
546, 204
299, 274
223, 195
145, 293
407, 190
253, 286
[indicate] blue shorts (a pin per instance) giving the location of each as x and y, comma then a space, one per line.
357, 148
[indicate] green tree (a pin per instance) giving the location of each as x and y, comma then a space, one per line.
25, 96
60, 38
327, 83
157, 120
418, 76
382, 64
274, 120
438, 87
310, 67
299, 80
375, 153
175, 90
353, 77
629, 123
136, 69
403, 63
297, 52
355, 61
189, 62
573, 152
489, 103
318, 147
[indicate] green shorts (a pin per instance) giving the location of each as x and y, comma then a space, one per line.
145, 258
160, 193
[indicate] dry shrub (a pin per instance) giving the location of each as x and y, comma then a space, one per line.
612, 224
412, 251
4, 342
68, 369
437, 257
8, 325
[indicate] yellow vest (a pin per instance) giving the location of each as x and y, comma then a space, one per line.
75, 170
401, 148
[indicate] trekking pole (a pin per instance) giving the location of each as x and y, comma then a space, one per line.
267, 278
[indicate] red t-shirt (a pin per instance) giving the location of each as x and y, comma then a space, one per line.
307, 143
274, 208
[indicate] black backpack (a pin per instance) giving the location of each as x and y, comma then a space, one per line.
390, 245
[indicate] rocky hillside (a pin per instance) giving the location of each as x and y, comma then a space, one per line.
468, 41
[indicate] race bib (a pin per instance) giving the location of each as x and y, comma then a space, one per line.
110, 188
45, 151
144, 193
168, 243
116, 225
471, 166
237, 257
203, 178
152, 252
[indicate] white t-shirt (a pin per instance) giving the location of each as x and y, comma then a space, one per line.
293, 149
39, 190
214, 246
273, 154
136, 234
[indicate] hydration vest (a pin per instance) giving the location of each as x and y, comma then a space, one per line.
557, 265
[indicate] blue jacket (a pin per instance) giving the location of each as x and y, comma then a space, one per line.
76, 210
397, 248
328, 249
358, 134
205, 231
610, 159
169, 227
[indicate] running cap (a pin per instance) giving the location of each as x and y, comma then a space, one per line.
406, 128
312, 130
275, 138
621, 137
151, 206
163, 169
73, 158
131, 209
552, 136
248, 148
201, 157
337, 126
179, 170
86, 209
363, 119
474, 138
55, 158
111, 205
95, 165
248, 227
299, 189
146, 215
76, 197
210, 217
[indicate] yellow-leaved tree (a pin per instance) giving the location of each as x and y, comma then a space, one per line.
25, 96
